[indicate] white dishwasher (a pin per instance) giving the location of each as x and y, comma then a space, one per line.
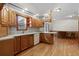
36, 38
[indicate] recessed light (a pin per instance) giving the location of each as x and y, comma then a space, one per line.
57, 9
23, 11
37, 14
26, 9
70, 16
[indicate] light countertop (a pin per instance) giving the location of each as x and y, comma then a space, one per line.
13, 36
50, 32
7, 37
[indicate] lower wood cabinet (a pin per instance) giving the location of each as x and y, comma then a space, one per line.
24, 42
17, 44
10, 47
62, 34
7, 47
46, 38
30, 40
72, 35
27, 41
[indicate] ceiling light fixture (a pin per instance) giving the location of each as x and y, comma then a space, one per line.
23, 10
57, 9
26, 9
71, 16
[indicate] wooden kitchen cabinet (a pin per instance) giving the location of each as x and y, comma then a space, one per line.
17, 45
62, 34
10, 47
34, 22
3, 31
4, 16
30, 40
26, 41
42, 37
12, 17
46, 38
8, 17
7, 47
1, 6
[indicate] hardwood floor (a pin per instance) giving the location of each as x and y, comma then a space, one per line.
61, 47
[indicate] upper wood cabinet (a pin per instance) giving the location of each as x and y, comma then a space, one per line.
4, 16
1, 6
3, 31
12, 17
34, 22
8, 17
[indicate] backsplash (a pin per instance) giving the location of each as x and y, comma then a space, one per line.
13, 30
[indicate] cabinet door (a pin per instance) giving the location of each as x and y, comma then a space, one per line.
4, 16
3, 31
17, 45
41, 24
1, 6
12, 18
33, 22
8, 17
30, 40
24, 42
47, 38
36, 22
42, 38
7, 47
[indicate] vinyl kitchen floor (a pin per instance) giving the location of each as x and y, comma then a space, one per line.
61, 47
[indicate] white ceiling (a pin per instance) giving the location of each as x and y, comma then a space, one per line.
42, 8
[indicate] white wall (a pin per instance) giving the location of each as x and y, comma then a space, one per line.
65, 25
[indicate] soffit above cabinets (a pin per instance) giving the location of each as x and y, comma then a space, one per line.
67, 9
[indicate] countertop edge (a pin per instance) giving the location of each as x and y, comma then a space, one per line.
15, 35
